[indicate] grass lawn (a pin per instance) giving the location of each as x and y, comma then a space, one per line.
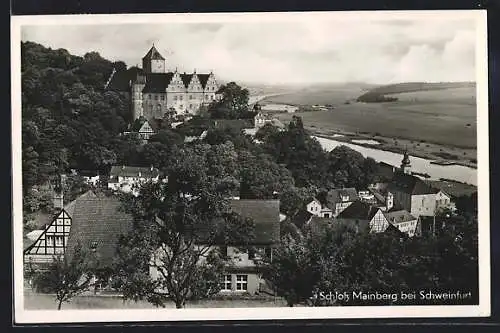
35, 301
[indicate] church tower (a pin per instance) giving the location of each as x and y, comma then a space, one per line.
153, 61
405, 163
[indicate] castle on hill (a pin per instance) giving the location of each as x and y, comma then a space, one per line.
154, 91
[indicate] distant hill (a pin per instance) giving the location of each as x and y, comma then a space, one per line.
380, 94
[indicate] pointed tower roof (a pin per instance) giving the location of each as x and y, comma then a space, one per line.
153, 54
406, 159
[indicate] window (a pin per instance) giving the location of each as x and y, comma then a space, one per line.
162, 97
149, 96
181, 106
156, 97
93, 246
190, 106
226, 283
241, 282
268, 251
59, 241
175, 97
50, 241
181, 97
327, 215
190, 96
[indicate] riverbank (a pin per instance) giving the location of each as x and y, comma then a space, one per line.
438, 154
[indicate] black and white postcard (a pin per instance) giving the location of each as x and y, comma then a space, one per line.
243, 166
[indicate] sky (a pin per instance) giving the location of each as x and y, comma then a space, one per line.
297, 51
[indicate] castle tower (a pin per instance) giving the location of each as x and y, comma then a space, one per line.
153, 61
137, 102
405, 163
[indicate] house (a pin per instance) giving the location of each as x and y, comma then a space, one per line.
262, 119
416, 196
315, 207
357, 216
400, 219
52, 240
97, 223
91, 177
128, 179
243, 275
339, 199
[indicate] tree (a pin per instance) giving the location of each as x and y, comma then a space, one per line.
233, 104
179, 226
293, 270
261, 177
66, 277
349, 168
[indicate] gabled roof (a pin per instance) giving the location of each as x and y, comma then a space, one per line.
153, 54
157, 82
98, 221
410, 184
399, 216
203, 79
359, 210
131, 171
301, 218
265, 214
120, 80
186, 78
335, 196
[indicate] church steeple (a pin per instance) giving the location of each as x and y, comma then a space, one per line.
405, 163
153, 61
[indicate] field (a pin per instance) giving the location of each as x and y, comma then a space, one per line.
445, 116
34, 301
321, 95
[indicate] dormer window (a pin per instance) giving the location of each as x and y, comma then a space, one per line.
345, 198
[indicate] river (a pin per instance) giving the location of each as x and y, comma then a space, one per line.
454, 172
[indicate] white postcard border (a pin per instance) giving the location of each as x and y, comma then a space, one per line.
81, 316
